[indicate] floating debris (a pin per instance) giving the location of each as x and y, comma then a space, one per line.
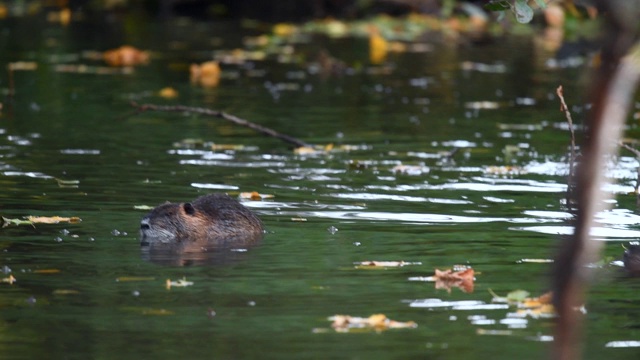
125, 56
383, 264
178, 283
206, 74
376, 322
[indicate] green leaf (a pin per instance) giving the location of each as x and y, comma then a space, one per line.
541, 4
497, 6
517, 295
524, 13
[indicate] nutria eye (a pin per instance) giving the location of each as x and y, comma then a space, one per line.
144, 226
189, 209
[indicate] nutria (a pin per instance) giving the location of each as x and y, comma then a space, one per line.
208, 222
631, 259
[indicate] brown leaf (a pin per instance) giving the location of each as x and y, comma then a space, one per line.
463, 279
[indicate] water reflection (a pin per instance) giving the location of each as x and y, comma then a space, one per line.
179, 257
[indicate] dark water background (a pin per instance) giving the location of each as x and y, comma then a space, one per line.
272, 302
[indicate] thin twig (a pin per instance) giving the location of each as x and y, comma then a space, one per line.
572, 155
222, 115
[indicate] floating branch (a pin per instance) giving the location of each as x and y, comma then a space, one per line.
219, 114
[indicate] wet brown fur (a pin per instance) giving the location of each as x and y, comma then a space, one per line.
210, 221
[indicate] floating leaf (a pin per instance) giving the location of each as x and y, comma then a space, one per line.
46, 271
383, 264
544, 299
65, 292
63, 16
284, 29
378, 47
67, 183
188, 143
535, 261
22, 66
178, 283
134, 278
143, 207
254, 196
10, 280
505, 170
100, 70
52, 219
318, 149
206, 74
536, 307
376, 322
168, 93
224, 147
125, 56
462, 279
157, 312
6, 222
478, 105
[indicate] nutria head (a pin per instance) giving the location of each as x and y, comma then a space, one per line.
166, 223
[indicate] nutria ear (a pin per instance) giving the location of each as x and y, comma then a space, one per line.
189, 209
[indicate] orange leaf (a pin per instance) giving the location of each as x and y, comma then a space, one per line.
206, 74
125, 56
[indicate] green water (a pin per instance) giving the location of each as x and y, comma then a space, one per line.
273, 301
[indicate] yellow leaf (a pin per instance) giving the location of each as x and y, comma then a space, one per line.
134, 278
378, 47
23, 65
283, 29
178, 283
53, 219
9, 279
46, 271
168, 93
254, 196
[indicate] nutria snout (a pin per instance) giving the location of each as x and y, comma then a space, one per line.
208, 222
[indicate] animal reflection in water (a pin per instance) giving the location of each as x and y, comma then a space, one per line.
206, 230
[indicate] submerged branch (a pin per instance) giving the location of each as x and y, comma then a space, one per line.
222, 115
572, 155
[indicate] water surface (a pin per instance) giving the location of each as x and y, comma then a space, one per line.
393, 193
